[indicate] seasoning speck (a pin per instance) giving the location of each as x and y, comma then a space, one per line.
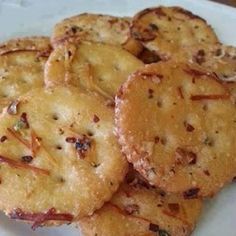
153, 227
26, 159
191, 193
3, 138
70, 139
96, 119
150, 93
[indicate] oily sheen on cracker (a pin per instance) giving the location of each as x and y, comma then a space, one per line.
167, 30
95, 66
59, 157
139, 209
176, 124
21, 66
106, 29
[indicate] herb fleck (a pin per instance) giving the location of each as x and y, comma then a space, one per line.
163, 233
82, 145
208, 141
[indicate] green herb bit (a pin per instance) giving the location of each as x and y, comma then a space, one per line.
19, 125
163, 233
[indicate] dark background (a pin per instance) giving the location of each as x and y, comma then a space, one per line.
228, 2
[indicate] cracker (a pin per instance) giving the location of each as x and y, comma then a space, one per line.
59, 157
177, 125
96, 28
138, 209
167, 30
95, 66
218, 58
21, 66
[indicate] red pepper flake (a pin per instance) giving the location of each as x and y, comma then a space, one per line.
17, 164
96, 119
218, 52
188, 127
156, 139
162, 193
132, 208
82, 145
39, 219
134, 179
74, 29
180, 92
174, 207
200, 57
23, 118
12, 108
70, 139
209, 97
3, 138
69, 53
206, 172
191, 193
110, 103
26, 159
163, 141
185, 157
154, 227
150, 93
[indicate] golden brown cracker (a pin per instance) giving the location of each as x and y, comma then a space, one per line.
59, 157
176, 123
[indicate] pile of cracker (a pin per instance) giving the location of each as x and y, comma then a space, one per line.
156, 91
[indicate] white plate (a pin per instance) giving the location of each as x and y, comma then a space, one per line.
34, 17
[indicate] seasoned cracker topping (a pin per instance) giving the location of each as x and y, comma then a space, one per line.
18, 164
185, 157
39, 219
191, 193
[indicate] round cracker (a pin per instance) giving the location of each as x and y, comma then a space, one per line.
96, 28
60, 155
138, 209
167, 30
177, 125
97, 67
21, 66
